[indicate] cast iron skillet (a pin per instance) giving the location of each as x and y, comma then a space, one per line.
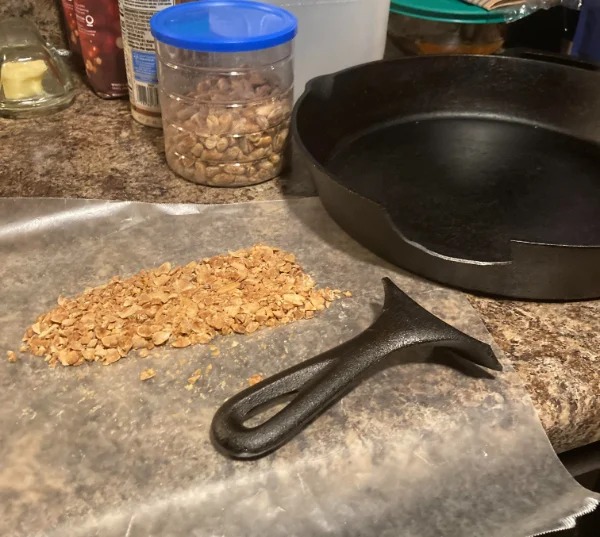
480, 172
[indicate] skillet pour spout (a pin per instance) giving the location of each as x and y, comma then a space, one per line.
318, 383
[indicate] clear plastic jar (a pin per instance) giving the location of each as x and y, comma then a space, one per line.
225, 74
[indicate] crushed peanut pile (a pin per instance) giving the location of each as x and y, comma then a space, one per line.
178, 306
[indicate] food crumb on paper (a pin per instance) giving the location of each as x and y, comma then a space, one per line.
147, 374
255, 379
11, 356
194, 377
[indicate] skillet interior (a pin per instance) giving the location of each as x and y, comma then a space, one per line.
466, 153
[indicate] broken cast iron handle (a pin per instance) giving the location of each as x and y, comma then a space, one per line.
318, 383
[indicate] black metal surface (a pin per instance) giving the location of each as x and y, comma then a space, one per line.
480, 172
582, 460
318, 383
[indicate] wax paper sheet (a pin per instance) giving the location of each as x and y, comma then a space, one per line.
418, 450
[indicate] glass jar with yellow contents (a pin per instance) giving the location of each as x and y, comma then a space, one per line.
34, 78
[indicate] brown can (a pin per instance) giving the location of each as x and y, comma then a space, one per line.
102, 46
70, 19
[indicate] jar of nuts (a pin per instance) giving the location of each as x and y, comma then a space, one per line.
225, 73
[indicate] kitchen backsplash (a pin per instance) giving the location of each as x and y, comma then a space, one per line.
44, 13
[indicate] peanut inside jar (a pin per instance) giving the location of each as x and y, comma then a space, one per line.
232, 130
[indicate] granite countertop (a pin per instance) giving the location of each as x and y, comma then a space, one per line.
45, 14
95, 150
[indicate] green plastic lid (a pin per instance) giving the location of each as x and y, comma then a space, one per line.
447, 11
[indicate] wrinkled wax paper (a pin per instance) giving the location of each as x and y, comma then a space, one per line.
418, 450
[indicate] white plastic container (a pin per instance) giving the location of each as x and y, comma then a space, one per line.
335, 34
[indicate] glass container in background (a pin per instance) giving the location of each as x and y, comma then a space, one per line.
419, 27
225, 71
34, 78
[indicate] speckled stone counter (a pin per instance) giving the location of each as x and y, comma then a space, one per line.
95, 150
44, 13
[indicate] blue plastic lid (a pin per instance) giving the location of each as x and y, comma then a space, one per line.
224, 26
455, 11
